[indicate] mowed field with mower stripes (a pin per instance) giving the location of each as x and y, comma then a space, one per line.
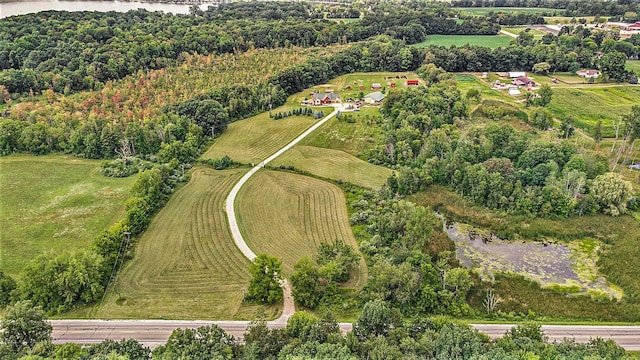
288, 215
256, 138
336, 165
186, 264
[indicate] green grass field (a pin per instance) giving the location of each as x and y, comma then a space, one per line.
256, 138
589, 105
481, 11
633, 65
53, 203
491, 41
288, 215
186, 264
537, 34
336, 165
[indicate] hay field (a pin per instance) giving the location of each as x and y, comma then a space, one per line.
289, 215
490, 41
54, 203
256, 138
186, 264
336, 165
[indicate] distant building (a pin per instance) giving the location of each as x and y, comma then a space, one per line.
376, 86
521, 81
516, 74
326, 98
373, 98
513, 91
588, 73
413, 82
393, 85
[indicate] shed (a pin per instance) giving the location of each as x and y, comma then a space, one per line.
516, 74
413, 82
376, 86
373, 98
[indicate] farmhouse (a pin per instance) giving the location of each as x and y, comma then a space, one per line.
376, 86
588, 73
523, 81
318, 98
413, 82
374, 98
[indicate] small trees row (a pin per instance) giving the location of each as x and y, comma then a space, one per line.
303, 111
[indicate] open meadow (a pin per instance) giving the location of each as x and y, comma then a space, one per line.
490, 41
633, 65
186, 264
590, 105
256, 138
537, 34
288, 215
481, 11
336, 165
54, 203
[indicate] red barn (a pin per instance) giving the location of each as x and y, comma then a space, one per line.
393, 85
413, 82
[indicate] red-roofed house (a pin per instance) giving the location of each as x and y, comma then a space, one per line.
523, 81
413, 82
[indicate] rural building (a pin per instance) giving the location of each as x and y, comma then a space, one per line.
413, 82
523, 81
516, 74
588, 73
318, 98
376, 86
513, 91
373, 98
393, 85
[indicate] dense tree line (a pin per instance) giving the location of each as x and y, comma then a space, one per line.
494, 166
568, 7
377, 334
574, 49
70, 51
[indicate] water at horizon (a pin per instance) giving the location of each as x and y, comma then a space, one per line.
27, 7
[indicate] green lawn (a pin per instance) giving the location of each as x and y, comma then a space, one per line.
336, 165
53, 203
537, 34
491, 41
633, 65
588, 106
481, 11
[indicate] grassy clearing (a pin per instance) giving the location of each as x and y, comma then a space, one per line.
618, 254
336, 165
567, 19
481, 11
186, 264
590, 105
491, 41
288, 215
256, 138
53, 203
537, 34
633, 65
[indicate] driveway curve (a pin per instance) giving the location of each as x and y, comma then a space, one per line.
289, 306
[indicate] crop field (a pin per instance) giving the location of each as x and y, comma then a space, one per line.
288, 215
491, 41
186, 264
53, 203
589, 105
336, 165
256, 138
481, 11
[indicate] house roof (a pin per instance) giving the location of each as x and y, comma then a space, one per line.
376, 85
321, 96
524, 80
376, 96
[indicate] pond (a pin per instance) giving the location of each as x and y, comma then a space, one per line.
566, 267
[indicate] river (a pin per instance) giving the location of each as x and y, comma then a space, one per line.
27, 7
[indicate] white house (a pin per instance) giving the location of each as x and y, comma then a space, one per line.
588, 73
375, 97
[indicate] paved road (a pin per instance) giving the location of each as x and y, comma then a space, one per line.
289, 306
155, 332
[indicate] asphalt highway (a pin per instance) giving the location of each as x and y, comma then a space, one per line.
155, 332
